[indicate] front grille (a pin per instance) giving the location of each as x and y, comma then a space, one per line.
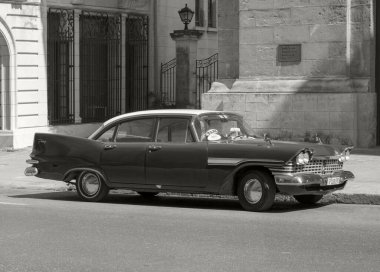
319, 167
322, 167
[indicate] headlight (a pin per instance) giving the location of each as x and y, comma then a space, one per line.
303, 158
347, 154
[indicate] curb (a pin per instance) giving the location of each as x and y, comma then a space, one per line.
364, 199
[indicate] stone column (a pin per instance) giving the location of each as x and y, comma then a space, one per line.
186, 55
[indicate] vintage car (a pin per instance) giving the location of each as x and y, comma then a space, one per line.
189, 151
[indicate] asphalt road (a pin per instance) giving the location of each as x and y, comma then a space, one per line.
55, 231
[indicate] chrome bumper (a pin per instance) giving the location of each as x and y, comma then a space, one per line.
309, 183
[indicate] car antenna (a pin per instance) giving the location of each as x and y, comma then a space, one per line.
317, 139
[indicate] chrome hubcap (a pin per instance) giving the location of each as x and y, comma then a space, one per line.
253, 191
90, 184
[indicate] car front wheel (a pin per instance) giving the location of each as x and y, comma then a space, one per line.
308, 199
91, 187
256, 191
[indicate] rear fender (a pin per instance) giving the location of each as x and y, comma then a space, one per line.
74, 173
59, 154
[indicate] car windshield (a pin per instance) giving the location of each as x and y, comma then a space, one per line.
222, 127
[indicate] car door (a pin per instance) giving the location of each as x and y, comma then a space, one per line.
123, 156
176, 159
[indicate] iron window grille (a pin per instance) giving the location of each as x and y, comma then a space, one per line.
60, 61
137, 62
100, 66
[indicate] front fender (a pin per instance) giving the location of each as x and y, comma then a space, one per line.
230, 182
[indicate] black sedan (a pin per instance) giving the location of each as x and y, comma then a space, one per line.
189, 151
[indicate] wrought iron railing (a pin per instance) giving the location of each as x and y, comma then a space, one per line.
100, 66
137, 59
60, 57
207, 73
168, 83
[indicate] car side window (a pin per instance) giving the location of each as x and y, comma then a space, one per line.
107, 136
175, 130
140, 130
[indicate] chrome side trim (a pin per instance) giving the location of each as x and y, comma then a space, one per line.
237, 161
224, 161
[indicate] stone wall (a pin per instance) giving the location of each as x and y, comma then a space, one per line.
335, 37
330, 91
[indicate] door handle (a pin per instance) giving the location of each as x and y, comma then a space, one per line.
109, 146
153, 148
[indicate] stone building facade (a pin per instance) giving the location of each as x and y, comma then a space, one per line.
299, 68
67, 65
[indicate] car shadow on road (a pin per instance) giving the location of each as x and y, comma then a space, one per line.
173, 201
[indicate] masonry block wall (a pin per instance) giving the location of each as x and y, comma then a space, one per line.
329, 92
27, 74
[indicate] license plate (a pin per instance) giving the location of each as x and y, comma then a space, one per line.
333, 181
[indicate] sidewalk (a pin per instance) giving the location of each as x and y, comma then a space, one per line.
364, 163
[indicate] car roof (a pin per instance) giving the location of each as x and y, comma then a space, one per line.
160, 112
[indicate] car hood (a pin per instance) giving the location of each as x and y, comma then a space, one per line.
283, 151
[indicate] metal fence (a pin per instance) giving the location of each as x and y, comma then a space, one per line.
100, 66
137, 59
168, 83
207, 73
60, 50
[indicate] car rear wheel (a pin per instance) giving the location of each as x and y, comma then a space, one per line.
308, 199
147, 194
256, 191
91, 187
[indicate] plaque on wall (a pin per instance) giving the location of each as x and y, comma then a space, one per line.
289, 53
134, 4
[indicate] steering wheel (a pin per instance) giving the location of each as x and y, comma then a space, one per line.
237, 137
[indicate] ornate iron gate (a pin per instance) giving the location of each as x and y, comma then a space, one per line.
207, 73
60, 66
137, 59
100, 66
377, 69
168, 83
